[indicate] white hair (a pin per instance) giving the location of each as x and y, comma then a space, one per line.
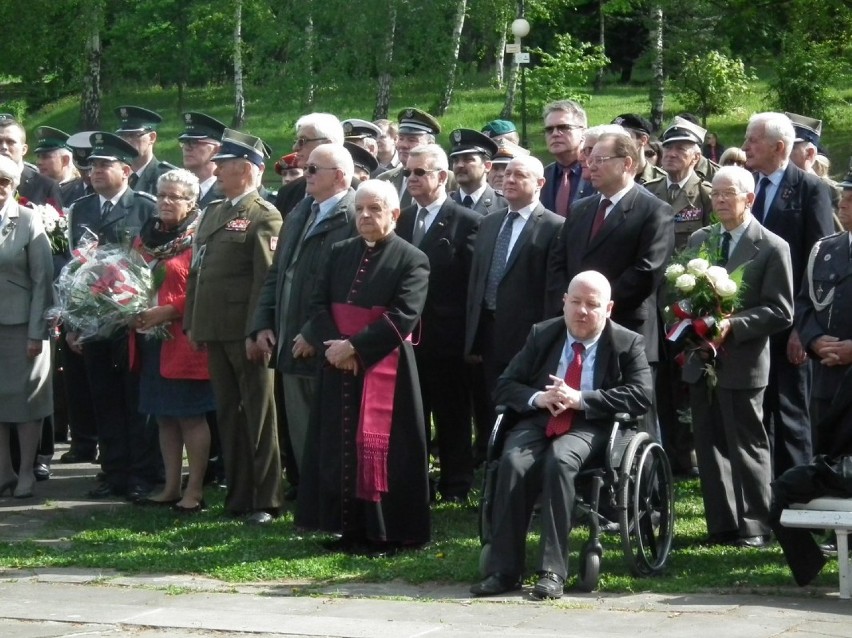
326, 125
777, 127
532, 164
602, 129
381, 189
10, 169
742, 179
432, 152
182, 177
341, 157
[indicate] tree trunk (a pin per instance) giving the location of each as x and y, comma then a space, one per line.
310, 43
383, 91
461, 8
90, 100
658, 81
599, 76
239, 118
499, 56
511, 88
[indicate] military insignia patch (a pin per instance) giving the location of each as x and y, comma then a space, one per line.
99, 138
347, 127
187, 117
123, 113
688, 215
238, 225
457, 136
409, 113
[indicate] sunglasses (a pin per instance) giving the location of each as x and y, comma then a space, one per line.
301, 141
419, 172
562, 128
311, 169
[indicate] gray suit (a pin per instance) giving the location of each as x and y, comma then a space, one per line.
731, 444
490, 201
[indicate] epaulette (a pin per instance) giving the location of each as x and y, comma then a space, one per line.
30, 165
655, 180
266, 204
145, 195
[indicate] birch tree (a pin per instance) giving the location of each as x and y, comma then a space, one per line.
458, 26
239, 119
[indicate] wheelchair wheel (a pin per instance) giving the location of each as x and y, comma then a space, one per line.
590, 570
646, 506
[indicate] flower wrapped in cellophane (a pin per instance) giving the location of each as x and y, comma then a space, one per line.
101, 290
702, 295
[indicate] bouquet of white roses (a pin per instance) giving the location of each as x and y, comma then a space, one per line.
704, 295
55, 224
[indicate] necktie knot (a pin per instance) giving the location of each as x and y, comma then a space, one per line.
467, 202
578, 348
674, 189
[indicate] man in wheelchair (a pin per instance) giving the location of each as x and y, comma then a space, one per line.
563, 390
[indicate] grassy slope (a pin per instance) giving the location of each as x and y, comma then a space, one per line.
272, 116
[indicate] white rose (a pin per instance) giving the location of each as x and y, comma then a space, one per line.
716, 273
674, 271
725, 288
697, 266
685, 283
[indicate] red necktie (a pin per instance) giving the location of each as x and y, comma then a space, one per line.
600, 217
561, 423
563, 195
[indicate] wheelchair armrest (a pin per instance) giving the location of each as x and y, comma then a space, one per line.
505, 420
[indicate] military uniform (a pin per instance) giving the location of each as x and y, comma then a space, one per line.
691, 206
37, 188
649, 173
146, 181
233, 250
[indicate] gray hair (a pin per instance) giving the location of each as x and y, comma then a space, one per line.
777, 127
181, 177
602, 129
381, 189
341, 157
10, 169
742, 179
568, 106
432, 152
326, 125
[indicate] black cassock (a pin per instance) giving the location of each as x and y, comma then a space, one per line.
394, 276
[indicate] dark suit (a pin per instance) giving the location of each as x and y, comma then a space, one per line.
444, 382
801, 214
490, 201
553, 179
128, 448
39, 189
532, 463
72, 190
631, 250
395, 176
522, 298
213, 194
284, 301
824, 307
730, 442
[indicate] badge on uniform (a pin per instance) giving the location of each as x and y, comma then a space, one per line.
238, 225
273, 242
688, 215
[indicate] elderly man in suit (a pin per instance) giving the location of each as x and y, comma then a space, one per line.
471, 154
730, 442
796, 206
233, 250
325, 217
114, 214
445, 231
564, 124
625, 233
565, 388
510, 285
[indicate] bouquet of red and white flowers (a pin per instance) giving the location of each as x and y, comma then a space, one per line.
55, 224
101, 290
703, 295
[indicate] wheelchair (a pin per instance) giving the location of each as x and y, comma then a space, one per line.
634, 485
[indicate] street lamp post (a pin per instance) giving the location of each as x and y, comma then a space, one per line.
520, 29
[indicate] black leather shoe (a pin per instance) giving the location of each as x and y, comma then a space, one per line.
752, 542
73, 456
150, 502
829, 548
105, 490
137, 492
550, 585
195, 509
496, 584
41, 471
720, 538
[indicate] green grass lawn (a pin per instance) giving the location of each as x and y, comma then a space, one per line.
272, 115
133, 539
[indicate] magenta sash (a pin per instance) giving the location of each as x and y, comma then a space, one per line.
372, 440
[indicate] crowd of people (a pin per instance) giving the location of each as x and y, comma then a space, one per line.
374, 310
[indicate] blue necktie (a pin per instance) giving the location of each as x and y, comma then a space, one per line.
467, 202
758, 209
498, 260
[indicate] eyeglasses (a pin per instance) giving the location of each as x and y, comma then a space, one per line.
311, 169
190, 143
419, 172
129, 136
301, 141
165, 197
725, 195
562, 129
600, 159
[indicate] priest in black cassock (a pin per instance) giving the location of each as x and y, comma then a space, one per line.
366, 462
